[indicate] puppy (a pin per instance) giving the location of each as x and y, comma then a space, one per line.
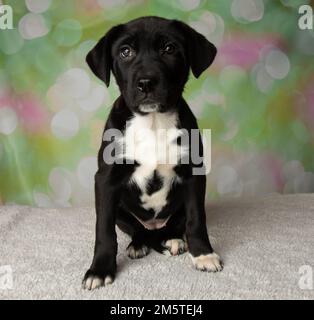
160, 204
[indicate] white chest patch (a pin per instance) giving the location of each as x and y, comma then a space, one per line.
151, 140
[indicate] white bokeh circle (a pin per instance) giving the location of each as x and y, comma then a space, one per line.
86, 170
75, 83
232, 128
58, 98
8, 120
228, 182
188, 5
277, 64
60, 184
32, 26
264, 82
38, 6
211, 25
246, 11
95, 99
42, 200
65, 124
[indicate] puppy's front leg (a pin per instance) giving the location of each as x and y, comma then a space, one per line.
201, 251
103, 268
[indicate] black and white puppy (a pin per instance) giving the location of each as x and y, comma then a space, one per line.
160, 204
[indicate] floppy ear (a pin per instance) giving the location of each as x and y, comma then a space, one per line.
99, 59
201, 52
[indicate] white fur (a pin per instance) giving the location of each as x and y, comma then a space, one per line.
137, 253
148, 107
94, 282
208, 262
151, 140
175, 246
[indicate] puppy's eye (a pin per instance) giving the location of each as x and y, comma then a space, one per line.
169, 48
126, 52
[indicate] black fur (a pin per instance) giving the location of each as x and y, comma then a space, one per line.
167, 74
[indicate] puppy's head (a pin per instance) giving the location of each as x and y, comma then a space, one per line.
150, 58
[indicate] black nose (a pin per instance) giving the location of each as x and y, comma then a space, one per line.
145, 85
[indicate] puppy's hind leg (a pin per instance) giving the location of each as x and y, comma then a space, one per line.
137, 248
173, 240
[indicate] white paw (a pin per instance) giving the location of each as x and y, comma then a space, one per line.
94, 282
209, 262
137, 253
175, 247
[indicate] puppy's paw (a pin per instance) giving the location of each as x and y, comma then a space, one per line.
175, 247
93, 280
209, 262
137, 251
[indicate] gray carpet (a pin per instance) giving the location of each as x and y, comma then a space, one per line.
263, 243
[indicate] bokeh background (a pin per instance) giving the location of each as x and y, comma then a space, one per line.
257, 98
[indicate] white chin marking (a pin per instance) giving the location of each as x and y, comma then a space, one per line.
174, 247
94, 282
209, 262
149, 107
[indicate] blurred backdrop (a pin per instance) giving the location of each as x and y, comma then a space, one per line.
257, 98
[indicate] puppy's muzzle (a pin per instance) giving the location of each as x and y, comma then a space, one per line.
149, 107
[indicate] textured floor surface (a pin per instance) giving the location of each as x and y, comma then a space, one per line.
263, 243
